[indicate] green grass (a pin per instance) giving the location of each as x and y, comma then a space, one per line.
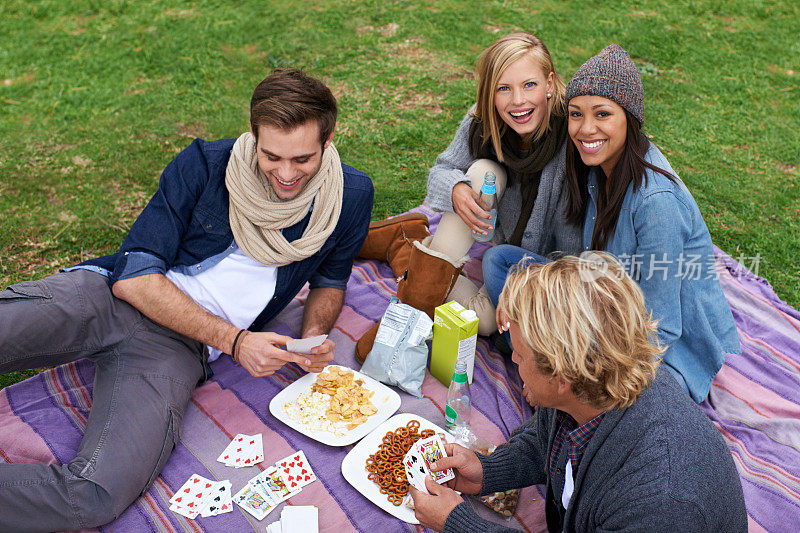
97, 97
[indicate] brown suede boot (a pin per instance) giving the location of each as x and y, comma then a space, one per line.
427, 282
390, 240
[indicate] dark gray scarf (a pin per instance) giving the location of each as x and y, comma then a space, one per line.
526, 165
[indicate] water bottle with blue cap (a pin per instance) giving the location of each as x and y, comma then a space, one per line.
488, 201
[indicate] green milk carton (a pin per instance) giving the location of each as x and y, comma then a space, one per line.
455, 336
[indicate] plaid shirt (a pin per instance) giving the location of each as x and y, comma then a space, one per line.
577, 437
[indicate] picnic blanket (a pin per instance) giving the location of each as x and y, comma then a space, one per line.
754, 402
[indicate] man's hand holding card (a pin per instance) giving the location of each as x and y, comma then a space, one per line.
432, 506
417, 463
319, 350
305, 345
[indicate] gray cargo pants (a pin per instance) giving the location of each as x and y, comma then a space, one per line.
145, 374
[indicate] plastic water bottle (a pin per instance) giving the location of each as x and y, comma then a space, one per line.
459, 405
489, 197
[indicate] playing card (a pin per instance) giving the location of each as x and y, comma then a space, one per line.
254, 451
296, 471
192, 495
236, 446
297, 518
415, 469
431, 450
244, 450
220, 500
254, 501
183, 511
305, 345
273, 484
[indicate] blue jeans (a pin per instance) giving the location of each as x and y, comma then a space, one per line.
497, 261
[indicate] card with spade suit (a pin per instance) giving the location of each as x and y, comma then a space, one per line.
415, 469
192, 496
271, 483
220, 501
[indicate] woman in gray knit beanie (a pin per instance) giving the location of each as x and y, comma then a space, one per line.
628, 200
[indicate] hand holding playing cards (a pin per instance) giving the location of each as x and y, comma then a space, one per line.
466, 466
432, 509
320, 356
259, 354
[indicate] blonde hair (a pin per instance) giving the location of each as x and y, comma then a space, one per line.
585, 321
492, 62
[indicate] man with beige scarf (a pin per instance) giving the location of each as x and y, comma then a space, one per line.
234, 231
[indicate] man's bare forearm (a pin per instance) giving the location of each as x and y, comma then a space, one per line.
321, 311
162, 301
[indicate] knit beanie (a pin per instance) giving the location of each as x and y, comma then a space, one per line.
611, 74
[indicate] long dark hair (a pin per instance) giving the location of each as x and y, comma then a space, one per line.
629, 169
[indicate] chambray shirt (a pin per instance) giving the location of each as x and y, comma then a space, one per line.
185, 227
664, 244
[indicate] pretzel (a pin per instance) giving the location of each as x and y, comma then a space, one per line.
385, 466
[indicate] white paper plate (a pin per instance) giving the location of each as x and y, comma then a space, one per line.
385, 399
353, 465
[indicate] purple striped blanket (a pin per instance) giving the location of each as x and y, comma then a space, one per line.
754, 402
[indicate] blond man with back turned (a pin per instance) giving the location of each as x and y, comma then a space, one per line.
615, 440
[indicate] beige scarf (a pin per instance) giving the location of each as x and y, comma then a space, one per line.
257, 215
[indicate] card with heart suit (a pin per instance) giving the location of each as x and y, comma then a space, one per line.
202, 496
296, 471
191, 514
184, 511
244, 450
220, 501
431, 450
192, 496
234, 450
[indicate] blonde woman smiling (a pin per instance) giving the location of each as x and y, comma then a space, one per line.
516, 130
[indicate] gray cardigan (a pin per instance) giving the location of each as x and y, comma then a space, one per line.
547, 228
659, 465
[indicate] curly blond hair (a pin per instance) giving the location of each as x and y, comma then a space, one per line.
585, 321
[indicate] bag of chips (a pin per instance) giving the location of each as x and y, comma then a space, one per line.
400, 354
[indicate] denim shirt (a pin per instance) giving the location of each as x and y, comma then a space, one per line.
185, 227
664, 244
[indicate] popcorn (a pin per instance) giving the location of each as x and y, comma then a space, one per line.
310, 408
337, 403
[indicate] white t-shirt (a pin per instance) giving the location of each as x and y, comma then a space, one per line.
569, 484
236, 289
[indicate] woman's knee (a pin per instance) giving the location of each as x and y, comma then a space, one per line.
479, 168
502, 257
496, 263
